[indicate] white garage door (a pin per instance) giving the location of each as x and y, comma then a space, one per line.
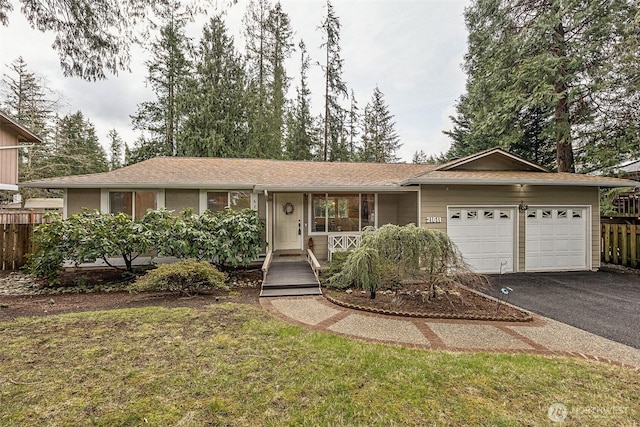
485, 236
556, 239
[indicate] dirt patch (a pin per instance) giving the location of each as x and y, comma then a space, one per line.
77, 293
411, 301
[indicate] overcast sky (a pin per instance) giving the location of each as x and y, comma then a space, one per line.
412, 50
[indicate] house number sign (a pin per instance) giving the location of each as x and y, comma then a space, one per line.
433, 219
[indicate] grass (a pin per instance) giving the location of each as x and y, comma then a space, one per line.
232, 364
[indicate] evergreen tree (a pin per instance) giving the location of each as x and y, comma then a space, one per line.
550, 75
116, 147
421, 158
94, 37
268, 42
216, 123
353, 124
279, 49
302, 134
380, 141
26, 98
77, 149
334, 114
162, 118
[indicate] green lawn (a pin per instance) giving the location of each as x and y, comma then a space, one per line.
236, 365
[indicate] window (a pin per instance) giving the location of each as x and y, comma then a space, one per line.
546, 214
217, 201
472, 214
562, 213
532, 214
488, 214
236, 200
576, 214
239, 200
133, 203
455, 214
505, 214
338, 213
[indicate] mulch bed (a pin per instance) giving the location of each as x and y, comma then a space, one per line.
410, 302
459, 303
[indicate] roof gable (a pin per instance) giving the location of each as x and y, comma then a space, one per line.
494, 159
23, 134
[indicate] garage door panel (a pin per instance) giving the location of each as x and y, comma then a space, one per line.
485, 237
556, 239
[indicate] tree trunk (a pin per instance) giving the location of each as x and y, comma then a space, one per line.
564, 149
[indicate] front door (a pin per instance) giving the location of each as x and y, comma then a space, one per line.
288, 222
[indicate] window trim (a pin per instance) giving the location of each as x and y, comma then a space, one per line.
203, 205
310, 227
105, 198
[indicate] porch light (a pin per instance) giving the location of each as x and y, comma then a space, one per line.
522, 207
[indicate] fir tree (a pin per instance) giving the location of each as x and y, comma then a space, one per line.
380, 141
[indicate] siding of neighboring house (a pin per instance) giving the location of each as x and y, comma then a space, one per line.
436, 198
82, 198
179, 200
8, 158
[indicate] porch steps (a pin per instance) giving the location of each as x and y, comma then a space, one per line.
290, 279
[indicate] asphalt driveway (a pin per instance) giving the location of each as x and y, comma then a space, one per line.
603, 303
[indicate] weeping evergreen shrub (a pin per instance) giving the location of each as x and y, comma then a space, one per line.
363, 268
392, 253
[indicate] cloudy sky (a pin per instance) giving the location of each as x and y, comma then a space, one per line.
412, 50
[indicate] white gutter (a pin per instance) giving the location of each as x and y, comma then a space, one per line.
8, 187
543, 182
331, 189
14, 147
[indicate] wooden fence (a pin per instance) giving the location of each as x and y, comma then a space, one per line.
621, 244
16, 237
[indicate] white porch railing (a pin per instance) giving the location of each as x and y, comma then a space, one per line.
342, 242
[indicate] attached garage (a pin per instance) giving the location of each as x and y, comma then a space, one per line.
485, 236
556, 238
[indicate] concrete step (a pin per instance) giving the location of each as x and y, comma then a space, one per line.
291, 292
292, 285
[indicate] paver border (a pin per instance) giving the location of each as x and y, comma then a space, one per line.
434, 315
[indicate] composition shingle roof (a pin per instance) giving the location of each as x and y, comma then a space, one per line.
261, 174
248, 173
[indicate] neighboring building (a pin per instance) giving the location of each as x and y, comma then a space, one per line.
12, 137
505, 213
630, 170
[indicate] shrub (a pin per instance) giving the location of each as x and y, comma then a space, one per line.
390, 254
333, 275
363, 268
188, 277
225, 238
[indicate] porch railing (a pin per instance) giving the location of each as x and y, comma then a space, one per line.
342, 242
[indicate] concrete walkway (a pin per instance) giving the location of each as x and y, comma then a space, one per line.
541, 336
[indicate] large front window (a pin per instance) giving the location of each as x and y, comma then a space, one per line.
133, 203
236, 200
336, 213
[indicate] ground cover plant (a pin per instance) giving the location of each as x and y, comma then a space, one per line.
232, 364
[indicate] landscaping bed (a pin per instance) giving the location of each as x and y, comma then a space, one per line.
411, 301
105, 289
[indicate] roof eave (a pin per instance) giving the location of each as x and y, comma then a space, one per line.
330, 188
542, 182
134, 185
